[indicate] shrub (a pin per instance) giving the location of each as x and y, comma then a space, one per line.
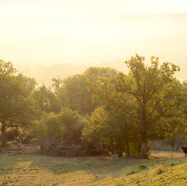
159, 171
142, 167
54, 127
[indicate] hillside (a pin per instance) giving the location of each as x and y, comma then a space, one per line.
163, 168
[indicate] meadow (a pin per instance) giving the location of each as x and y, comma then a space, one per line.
163, 168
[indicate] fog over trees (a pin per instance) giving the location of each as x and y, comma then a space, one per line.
44, 74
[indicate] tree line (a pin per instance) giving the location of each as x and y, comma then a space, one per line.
101, 105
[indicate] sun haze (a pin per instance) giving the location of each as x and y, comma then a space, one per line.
76, 32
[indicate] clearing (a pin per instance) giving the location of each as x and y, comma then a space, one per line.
31, 168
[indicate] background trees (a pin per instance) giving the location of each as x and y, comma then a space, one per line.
74, 94
45, 101
74, 89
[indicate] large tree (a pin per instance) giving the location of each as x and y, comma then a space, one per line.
157, 96
149, 94
16, 106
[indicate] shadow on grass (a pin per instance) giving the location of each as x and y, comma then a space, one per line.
98, 167
7, 164
102, 166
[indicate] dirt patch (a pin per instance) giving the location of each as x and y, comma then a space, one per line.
20, 149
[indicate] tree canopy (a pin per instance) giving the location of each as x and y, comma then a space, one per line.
150, 95
16, 105
126, 111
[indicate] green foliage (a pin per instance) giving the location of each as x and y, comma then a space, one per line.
70, 120
98, 73
142, 167
74, 90
57, 84
45, 100
48, 127
16, 108
114, 129
74, 94
97, 129
156, 97
151, 101
16, 103
53, 127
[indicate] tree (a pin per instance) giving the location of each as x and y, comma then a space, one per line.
175, 141
74, 94
16, 105
156, 94
99, 73
151, 96
45, 100
118, 127
57, 84
97, 129
74, 91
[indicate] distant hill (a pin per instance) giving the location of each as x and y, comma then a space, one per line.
43, 74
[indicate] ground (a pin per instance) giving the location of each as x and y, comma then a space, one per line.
20, 149
32, 168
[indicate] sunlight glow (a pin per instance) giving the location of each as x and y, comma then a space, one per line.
91, 31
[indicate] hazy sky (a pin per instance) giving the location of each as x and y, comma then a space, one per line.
59, 31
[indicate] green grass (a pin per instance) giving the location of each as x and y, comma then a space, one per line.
27, 169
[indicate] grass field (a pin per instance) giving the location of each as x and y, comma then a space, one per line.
164, 168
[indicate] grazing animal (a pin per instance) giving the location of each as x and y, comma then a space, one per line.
184, 148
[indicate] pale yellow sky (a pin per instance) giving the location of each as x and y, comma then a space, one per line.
12, 6
57, 31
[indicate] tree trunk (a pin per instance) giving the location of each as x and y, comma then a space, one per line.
144, 145
128, 150
173, 146
3, 135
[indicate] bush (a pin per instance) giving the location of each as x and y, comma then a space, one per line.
142, 167
54, 127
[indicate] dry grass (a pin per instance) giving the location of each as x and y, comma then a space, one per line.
164, 168
166, 154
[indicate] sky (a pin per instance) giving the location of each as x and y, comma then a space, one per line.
84, 31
